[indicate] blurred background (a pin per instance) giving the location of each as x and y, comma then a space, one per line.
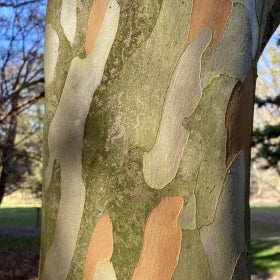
21, 121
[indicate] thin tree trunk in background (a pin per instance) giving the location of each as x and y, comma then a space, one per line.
147, 138
3, 180
8, 149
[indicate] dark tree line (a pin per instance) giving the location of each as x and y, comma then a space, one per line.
266, 138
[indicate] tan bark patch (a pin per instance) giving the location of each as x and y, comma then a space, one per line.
239, 117
162, 242
95, 20
100, 247
212, 13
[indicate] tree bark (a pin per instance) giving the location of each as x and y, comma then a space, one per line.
147, 138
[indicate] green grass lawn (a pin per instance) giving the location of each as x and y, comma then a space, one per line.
19, 243
265, 238
19, 216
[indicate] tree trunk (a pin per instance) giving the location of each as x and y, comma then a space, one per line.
8, 148
147, 138
3, 181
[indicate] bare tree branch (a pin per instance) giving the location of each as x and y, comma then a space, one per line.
3, 4
17, 109
21, 78
22, 87
272, 22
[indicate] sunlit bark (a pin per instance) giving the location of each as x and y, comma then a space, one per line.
147, 138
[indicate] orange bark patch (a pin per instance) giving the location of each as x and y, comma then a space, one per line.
239, 118
100, 247
162, 242
95, 21
212, 13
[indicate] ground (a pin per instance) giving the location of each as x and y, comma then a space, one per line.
19, 264
20, 231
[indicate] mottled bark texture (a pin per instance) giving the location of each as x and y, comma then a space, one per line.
147, 138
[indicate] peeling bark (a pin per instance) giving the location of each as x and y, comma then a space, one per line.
65, 141
162, 242
239, 119
95, 20
100, 250
204, 12
68, 19
160, 165
147, 136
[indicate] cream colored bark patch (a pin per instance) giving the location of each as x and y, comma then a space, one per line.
162, 242
100, 249
212, 13
105, 271
51, 53
95, 20
65, 139
144, 90
160, 165
68, 19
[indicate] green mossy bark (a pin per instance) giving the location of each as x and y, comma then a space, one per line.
123, 123
113, 151
51, 200
194, 263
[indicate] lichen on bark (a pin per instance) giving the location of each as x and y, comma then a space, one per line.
66, 134
133, 97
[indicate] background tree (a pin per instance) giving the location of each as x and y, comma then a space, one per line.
266, 135
21, 85
147, 137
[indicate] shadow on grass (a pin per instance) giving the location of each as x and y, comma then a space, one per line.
265, 257
265, 239
19, 242
19, 227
